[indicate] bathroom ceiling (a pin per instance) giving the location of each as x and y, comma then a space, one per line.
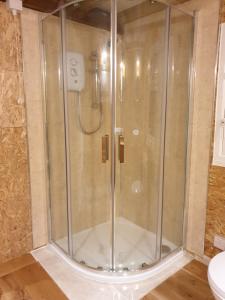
48, 6
96, 13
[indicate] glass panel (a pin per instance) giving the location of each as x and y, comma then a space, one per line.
88, 99
55, 124
140, 94
181, 44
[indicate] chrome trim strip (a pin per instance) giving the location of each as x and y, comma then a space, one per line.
189, 130
113, 58
163, 134
67, 134
45, 125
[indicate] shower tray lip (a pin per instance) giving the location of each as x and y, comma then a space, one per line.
157, 269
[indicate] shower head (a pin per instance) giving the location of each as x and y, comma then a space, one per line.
108, 43
94, 55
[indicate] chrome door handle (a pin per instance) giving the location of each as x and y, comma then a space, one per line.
105, 148
121, 149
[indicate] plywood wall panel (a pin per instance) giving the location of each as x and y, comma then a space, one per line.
215, 221
10, 41
15, 216
12, 110
222, 15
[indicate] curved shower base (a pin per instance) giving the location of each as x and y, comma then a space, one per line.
75, 280
156, 272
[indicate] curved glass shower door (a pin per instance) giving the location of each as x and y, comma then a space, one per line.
142, 52
154, 53
87, 30
107, 197
117, 101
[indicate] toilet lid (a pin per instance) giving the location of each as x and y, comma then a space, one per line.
216, 273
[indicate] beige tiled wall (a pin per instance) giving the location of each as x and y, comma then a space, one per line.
140, 108
180, 58
139, 103
203, 96
90, 178
15, 208
35, 123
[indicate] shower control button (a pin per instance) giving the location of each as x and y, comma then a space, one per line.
137, 187
136, 131
118, 130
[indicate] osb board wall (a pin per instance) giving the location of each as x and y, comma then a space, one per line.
215, 221
15, 216
222, 14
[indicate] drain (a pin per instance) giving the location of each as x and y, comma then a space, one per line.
145, 266
98, 268
165, 249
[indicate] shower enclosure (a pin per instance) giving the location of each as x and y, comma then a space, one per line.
117, 81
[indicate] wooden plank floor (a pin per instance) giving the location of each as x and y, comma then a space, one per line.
24, 279
189, 283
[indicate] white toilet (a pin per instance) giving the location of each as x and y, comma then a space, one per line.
216, 276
